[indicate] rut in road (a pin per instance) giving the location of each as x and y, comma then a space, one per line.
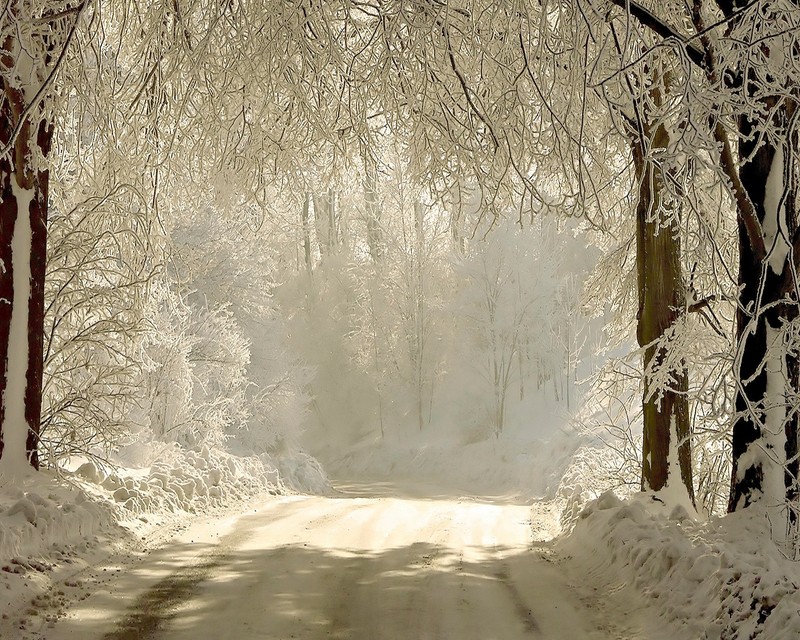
354, 568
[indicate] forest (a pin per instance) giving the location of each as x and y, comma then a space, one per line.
545, 248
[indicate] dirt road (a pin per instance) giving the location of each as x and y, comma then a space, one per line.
361, 565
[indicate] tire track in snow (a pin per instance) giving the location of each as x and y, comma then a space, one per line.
157, 606
153, 608
522, 610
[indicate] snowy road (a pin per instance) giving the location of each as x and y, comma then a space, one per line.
362, 565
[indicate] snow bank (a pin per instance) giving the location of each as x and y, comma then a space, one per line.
74, 505
43, 513
53, 525
181, 480
198, 479
723, 579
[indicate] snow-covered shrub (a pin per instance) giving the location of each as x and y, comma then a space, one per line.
96, 296
594, 470
247, 388
277, 411
166, 380
302, 472
610, 424
195, 379
219, 358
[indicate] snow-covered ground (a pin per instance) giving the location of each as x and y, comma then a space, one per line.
497, 542
721, 578
373, 561
717, 579
56, 529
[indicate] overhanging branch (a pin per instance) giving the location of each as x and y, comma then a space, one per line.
661, 28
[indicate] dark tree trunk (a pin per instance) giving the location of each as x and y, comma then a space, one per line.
764, 189
661, 305
766, 306
792, 446
38, 216
20, 182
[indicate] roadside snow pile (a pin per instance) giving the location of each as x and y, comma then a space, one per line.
48, 525
77, 504
182, 480
55, 525
724, 579
43, 512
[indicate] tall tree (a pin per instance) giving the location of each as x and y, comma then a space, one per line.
662, 305
742, 58
35, 37
765, 431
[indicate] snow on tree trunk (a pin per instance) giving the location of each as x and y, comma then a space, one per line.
14, 426
765, 427
23, 241
666, 453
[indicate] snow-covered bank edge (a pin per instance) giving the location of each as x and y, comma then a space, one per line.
55, 527
721, 579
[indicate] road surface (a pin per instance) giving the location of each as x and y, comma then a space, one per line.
364, 564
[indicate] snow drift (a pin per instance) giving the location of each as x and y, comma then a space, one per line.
722, 579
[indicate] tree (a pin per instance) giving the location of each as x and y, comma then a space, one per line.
738, 122
182, 83
35, 39
662, 304
739, 49
765, 434
507, 297
634, 109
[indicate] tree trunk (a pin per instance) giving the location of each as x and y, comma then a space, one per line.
764, 189
666, 452
321, 222
419, 306
23, 247
792, 430
765, 429
333, 221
